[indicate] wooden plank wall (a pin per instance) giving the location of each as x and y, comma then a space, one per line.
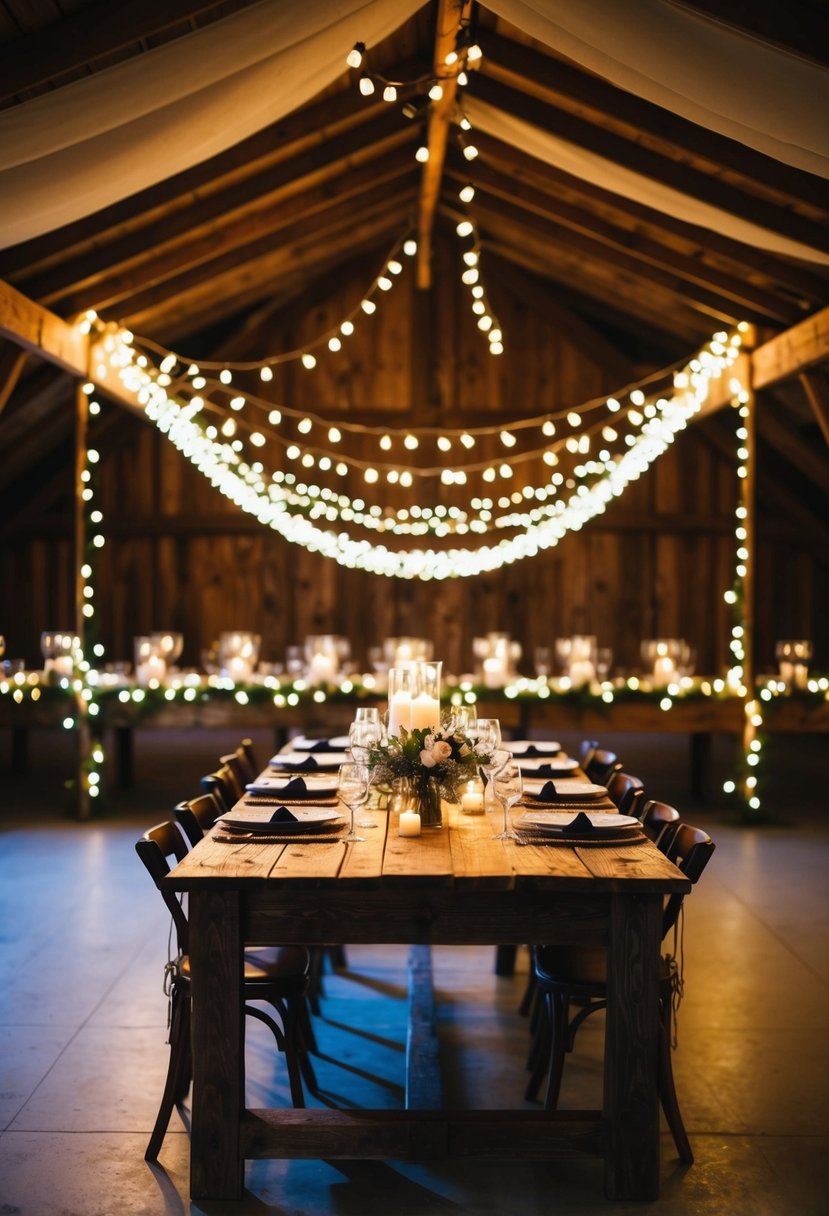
180, 557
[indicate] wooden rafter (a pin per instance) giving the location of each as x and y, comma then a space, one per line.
634, 156
816, 388
97, 32
450, 17
12, 359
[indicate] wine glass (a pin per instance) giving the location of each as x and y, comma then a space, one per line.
487, 739
353, 791
363, 737
508, 787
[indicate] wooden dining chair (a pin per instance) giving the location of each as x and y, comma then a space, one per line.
587, 750
240, 766
626, 792
601, 766
196, 816
565, 976
659, 823
277, 976
224, 785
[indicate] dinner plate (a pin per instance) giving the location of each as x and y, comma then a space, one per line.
308, 786
294, 761
567, 788
533, 747
337, 743
557, 765
606, 822
261, 822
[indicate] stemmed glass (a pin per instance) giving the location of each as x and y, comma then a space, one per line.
488, 739
353, 791
508, 787
364, 735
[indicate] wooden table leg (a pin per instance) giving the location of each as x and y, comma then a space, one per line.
216, 1164
631, 1097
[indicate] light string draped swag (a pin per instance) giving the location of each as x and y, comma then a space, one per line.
297, 509
141, 121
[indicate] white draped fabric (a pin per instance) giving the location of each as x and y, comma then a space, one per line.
720, 78
72, 151
77, 149
588, 166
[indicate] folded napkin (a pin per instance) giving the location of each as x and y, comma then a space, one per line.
296, 788
282, 815
582, 825
546, 770
320, 745
309, 764
547, 793
532, 750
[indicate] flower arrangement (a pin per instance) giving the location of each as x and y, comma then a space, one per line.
435, 763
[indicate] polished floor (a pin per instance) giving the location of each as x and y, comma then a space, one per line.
83, 937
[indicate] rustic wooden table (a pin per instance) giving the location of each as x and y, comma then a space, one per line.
452, 885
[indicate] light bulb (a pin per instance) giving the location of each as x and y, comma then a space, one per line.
225, 375
265, 373
465, 228
436, 92
395, 267
465, 124
470, 276
410, 248
368, 307
422, 154
355, 56
485, 322
470, 151
470, 257
451, 57
384, 283
274, 417
385, 442
474, 53
410, 442
463, 79
466, 193
334, 435
309, 361
347, 328
366, 85
334, 343
389, 93
304, 426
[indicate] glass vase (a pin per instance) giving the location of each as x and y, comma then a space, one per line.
424, 797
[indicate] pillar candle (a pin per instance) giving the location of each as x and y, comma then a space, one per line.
409, 824
472, 800
425, 712
400, 712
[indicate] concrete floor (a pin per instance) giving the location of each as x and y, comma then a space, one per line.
82, 1018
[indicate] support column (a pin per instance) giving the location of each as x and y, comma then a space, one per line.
84, 735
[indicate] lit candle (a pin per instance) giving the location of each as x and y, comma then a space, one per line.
472, 799
238, 669
400, 712
409, 824
425, 712
321, 669
495, 672
581, 672
62, 665
664, 671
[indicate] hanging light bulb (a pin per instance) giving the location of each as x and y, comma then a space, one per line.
471, 257
470, 276
470, 151
368, 307
465, 124
347, 328
463, 79
467, 193
265, 373
451, 58
422, 154
309, 361
334, 435
225, 375
395, 267
366, 85
410, 248
334, 343
436, 92
384, 283
385, 442
465, 228
410, 442
355, 56
389, 93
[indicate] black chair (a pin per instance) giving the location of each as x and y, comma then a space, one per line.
602, 765
224, 785
196, 816
627, 792
587, 749
659, 823
277, 976
566, 976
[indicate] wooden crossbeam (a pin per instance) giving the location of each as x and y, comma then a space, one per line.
816, 388
450, 17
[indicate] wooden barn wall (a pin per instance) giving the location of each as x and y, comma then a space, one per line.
179, 556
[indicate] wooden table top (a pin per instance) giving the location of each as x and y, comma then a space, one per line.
461, 854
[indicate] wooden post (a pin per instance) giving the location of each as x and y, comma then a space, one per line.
84, 737
748, 483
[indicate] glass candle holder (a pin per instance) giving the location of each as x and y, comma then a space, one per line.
793, 658
426, 696
58, 650
150, 664
238, 654
664, 658
400, 699
322, 658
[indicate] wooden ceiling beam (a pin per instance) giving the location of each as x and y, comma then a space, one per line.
803, 286
816, 388
203, 215
241, 262
451, 15
672, 326
716, 307
639, 159
544, 75
756, 303
796, 350
12, 359
111, 291
88, 34
802, 29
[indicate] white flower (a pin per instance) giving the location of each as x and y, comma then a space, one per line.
427, 758
441, 750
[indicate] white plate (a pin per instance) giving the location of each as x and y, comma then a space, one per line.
558, 765
276, 787
566, 788
306, 819
554, 821
336, 744
297, 761
541, 747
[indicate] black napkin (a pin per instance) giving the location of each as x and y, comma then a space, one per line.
309, 763
282, 815
296, 788
321, 745
582, 825
532, 750
547, 793
546, 770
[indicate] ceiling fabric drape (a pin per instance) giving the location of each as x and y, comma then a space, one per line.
589, 166
75, 150
719, 78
